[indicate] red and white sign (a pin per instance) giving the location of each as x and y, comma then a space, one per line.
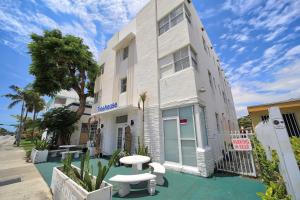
242, 144
183, 121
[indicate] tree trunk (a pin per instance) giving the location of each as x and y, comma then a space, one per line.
18, 136
80, 110
34, 115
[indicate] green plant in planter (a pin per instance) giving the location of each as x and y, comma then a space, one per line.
142, 149
84, 177
119, 156
41, 145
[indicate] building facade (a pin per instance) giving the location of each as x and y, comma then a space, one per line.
165, 52
70, 100
290, 111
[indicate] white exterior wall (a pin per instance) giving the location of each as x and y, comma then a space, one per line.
178, 89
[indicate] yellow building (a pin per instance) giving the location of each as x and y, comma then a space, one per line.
290, 110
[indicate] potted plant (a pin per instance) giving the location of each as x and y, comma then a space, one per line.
122, 154
40, 152
71, 182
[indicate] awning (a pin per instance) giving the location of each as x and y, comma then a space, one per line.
117, 111
124, 42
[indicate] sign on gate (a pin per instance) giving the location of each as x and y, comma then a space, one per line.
241, 144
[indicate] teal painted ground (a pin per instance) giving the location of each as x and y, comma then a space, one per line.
179, 186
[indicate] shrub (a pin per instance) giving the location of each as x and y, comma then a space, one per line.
141, 150
84, 177
41, 144
270, 175
295, 141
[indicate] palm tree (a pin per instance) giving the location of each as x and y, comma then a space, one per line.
143, 98
17, 97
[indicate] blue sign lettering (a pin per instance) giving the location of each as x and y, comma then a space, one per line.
107, 107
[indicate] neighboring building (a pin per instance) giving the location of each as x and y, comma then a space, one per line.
70, 100
165, 51
290, 110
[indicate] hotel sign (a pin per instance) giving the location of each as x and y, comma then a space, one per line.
242, 144
107, 107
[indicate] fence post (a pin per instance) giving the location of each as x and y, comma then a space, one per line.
274, 135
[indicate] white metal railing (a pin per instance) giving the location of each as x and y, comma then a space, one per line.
233, 153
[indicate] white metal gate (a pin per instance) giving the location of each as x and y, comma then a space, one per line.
233, 153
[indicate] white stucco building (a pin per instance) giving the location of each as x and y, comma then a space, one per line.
70, 100
165, 51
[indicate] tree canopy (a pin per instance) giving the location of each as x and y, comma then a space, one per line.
62, 62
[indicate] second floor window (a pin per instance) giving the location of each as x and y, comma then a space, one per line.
123, 85
125, 53
181, 59
210, 79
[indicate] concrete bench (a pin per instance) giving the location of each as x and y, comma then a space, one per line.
124, 182
53, 153
76, 154
158, 170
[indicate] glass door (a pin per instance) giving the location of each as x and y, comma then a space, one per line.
187, 136
171, 140
120, 137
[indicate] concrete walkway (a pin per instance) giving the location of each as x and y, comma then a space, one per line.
13, 164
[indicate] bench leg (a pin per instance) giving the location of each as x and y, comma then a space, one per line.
124, 189
151, 186
63, 156
160, 179
53, 154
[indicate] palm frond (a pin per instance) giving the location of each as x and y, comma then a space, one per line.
14, 103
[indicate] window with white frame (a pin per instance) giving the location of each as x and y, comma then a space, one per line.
181, 59
123, 85
125, 53
174, 18
194, 58
217, 121
97, 97
177, 61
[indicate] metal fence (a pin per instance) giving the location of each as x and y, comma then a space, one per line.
233, 153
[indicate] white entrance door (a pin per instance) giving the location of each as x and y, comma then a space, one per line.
120, 136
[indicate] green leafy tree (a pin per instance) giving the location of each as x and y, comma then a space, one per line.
60, 122
62, 62
245, 122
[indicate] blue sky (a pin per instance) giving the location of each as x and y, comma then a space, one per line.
258, 41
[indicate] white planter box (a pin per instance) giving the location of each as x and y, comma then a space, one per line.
64, 188
39, 156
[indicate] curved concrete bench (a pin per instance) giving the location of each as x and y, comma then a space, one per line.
76, 154
124, 182
159, 170
53, 153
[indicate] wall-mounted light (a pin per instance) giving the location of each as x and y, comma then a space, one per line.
102, 125
131, 122
189, 1
202, 89
202, 29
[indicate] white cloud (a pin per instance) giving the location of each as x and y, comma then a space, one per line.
91, 19
240, 6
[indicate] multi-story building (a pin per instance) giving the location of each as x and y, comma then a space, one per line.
165, 52
70, 100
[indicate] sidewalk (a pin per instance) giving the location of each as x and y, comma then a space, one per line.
12, 164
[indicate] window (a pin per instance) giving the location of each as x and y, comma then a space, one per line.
123, 85
210, 79
174, 18
205, 45
96, 96
217, 121
125, 53
291, 124
224, 96
181, 59
194, 58
264, 118
121, 119
84, 128
102, 69
60, 100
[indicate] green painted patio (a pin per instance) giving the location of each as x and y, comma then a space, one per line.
178, 185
